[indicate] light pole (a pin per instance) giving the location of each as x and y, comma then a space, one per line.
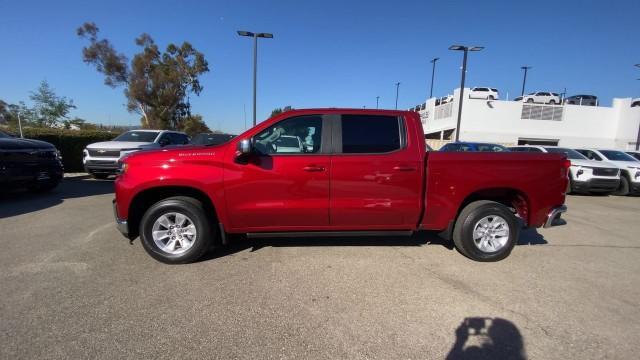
433, 73
466, 49
524, 80
20, 125
638, 137
255, 37
397, 91
377, 100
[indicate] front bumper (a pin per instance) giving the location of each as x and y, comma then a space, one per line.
596, 185
122, 225
554, 215
101, 166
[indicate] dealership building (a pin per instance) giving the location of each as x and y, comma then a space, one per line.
517, 123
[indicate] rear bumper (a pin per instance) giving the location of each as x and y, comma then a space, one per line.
121, 224
554, 215
596, 185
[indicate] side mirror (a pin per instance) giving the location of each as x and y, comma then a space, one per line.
244, 147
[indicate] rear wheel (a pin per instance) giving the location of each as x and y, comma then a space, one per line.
530, 100
485, 231
552, 102
491, 97
623, 188
176, 230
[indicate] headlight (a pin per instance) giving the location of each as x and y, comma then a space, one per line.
58, 154
122, 167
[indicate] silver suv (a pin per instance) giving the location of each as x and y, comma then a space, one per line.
101, 159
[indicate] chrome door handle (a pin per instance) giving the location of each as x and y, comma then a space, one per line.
313, 168
404, 168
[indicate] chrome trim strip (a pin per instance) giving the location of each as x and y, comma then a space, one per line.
554, 214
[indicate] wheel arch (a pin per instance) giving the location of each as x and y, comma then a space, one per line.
146, 198
512, 198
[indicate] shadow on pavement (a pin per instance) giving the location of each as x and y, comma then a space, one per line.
487, 338
18, 202
240, 243
531, 237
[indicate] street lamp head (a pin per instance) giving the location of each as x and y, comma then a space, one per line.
265, 35
434, 60
638, 65
457, 47
525, 67
245, 33
476, 48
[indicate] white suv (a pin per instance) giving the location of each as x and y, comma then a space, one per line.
585, 176
101, 159
542, 97
629, 168
484, 93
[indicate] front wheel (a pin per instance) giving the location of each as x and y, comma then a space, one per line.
530, 101
623, 188
552, 102
176, 230
485, 231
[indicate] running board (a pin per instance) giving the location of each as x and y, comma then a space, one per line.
328, 233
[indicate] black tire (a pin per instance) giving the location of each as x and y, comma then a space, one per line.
623, 188
194, 210
552, 102
464, 228
569, 187
100, 176
491, 97
530, 100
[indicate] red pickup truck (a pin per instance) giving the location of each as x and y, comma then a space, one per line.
334, 172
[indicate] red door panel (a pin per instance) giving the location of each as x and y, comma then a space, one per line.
278, 192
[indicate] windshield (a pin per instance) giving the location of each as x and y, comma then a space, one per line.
138, 136
617, 155
3, 135
571, 154
491, 147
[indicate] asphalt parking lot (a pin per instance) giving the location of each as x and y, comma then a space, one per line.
73, 287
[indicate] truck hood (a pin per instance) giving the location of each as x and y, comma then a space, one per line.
24, 144
117, 145
626, 164
592, 163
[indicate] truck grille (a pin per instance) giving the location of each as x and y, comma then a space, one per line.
605, 171
104, 153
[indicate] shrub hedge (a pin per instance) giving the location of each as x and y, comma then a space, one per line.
69, 142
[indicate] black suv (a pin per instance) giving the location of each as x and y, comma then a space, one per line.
29, 163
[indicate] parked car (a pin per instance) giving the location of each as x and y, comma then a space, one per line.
585, 176
583, 100
518, 98
445, 99
635, 154
473, 146
367, 174
483, 93
101, 159
211, 139
635, 102
629, 168
542, 97
27, 163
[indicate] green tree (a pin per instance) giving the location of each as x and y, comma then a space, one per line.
278, 111
49, 109
157, 83
9, 114
194, 124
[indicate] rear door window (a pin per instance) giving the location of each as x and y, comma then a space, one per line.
362, 134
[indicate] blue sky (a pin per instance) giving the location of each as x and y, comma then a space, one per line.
327, 53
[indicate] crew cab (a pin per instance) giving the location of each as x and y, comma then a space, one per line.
358, 172
101, 159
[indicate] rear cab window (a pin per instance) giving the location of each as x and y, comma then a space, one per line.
371, 134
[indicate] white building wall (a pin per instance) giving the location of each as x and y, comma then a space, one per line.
501, 122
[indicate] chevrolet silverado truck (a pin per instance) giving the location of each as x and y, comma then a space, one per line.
357, 173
